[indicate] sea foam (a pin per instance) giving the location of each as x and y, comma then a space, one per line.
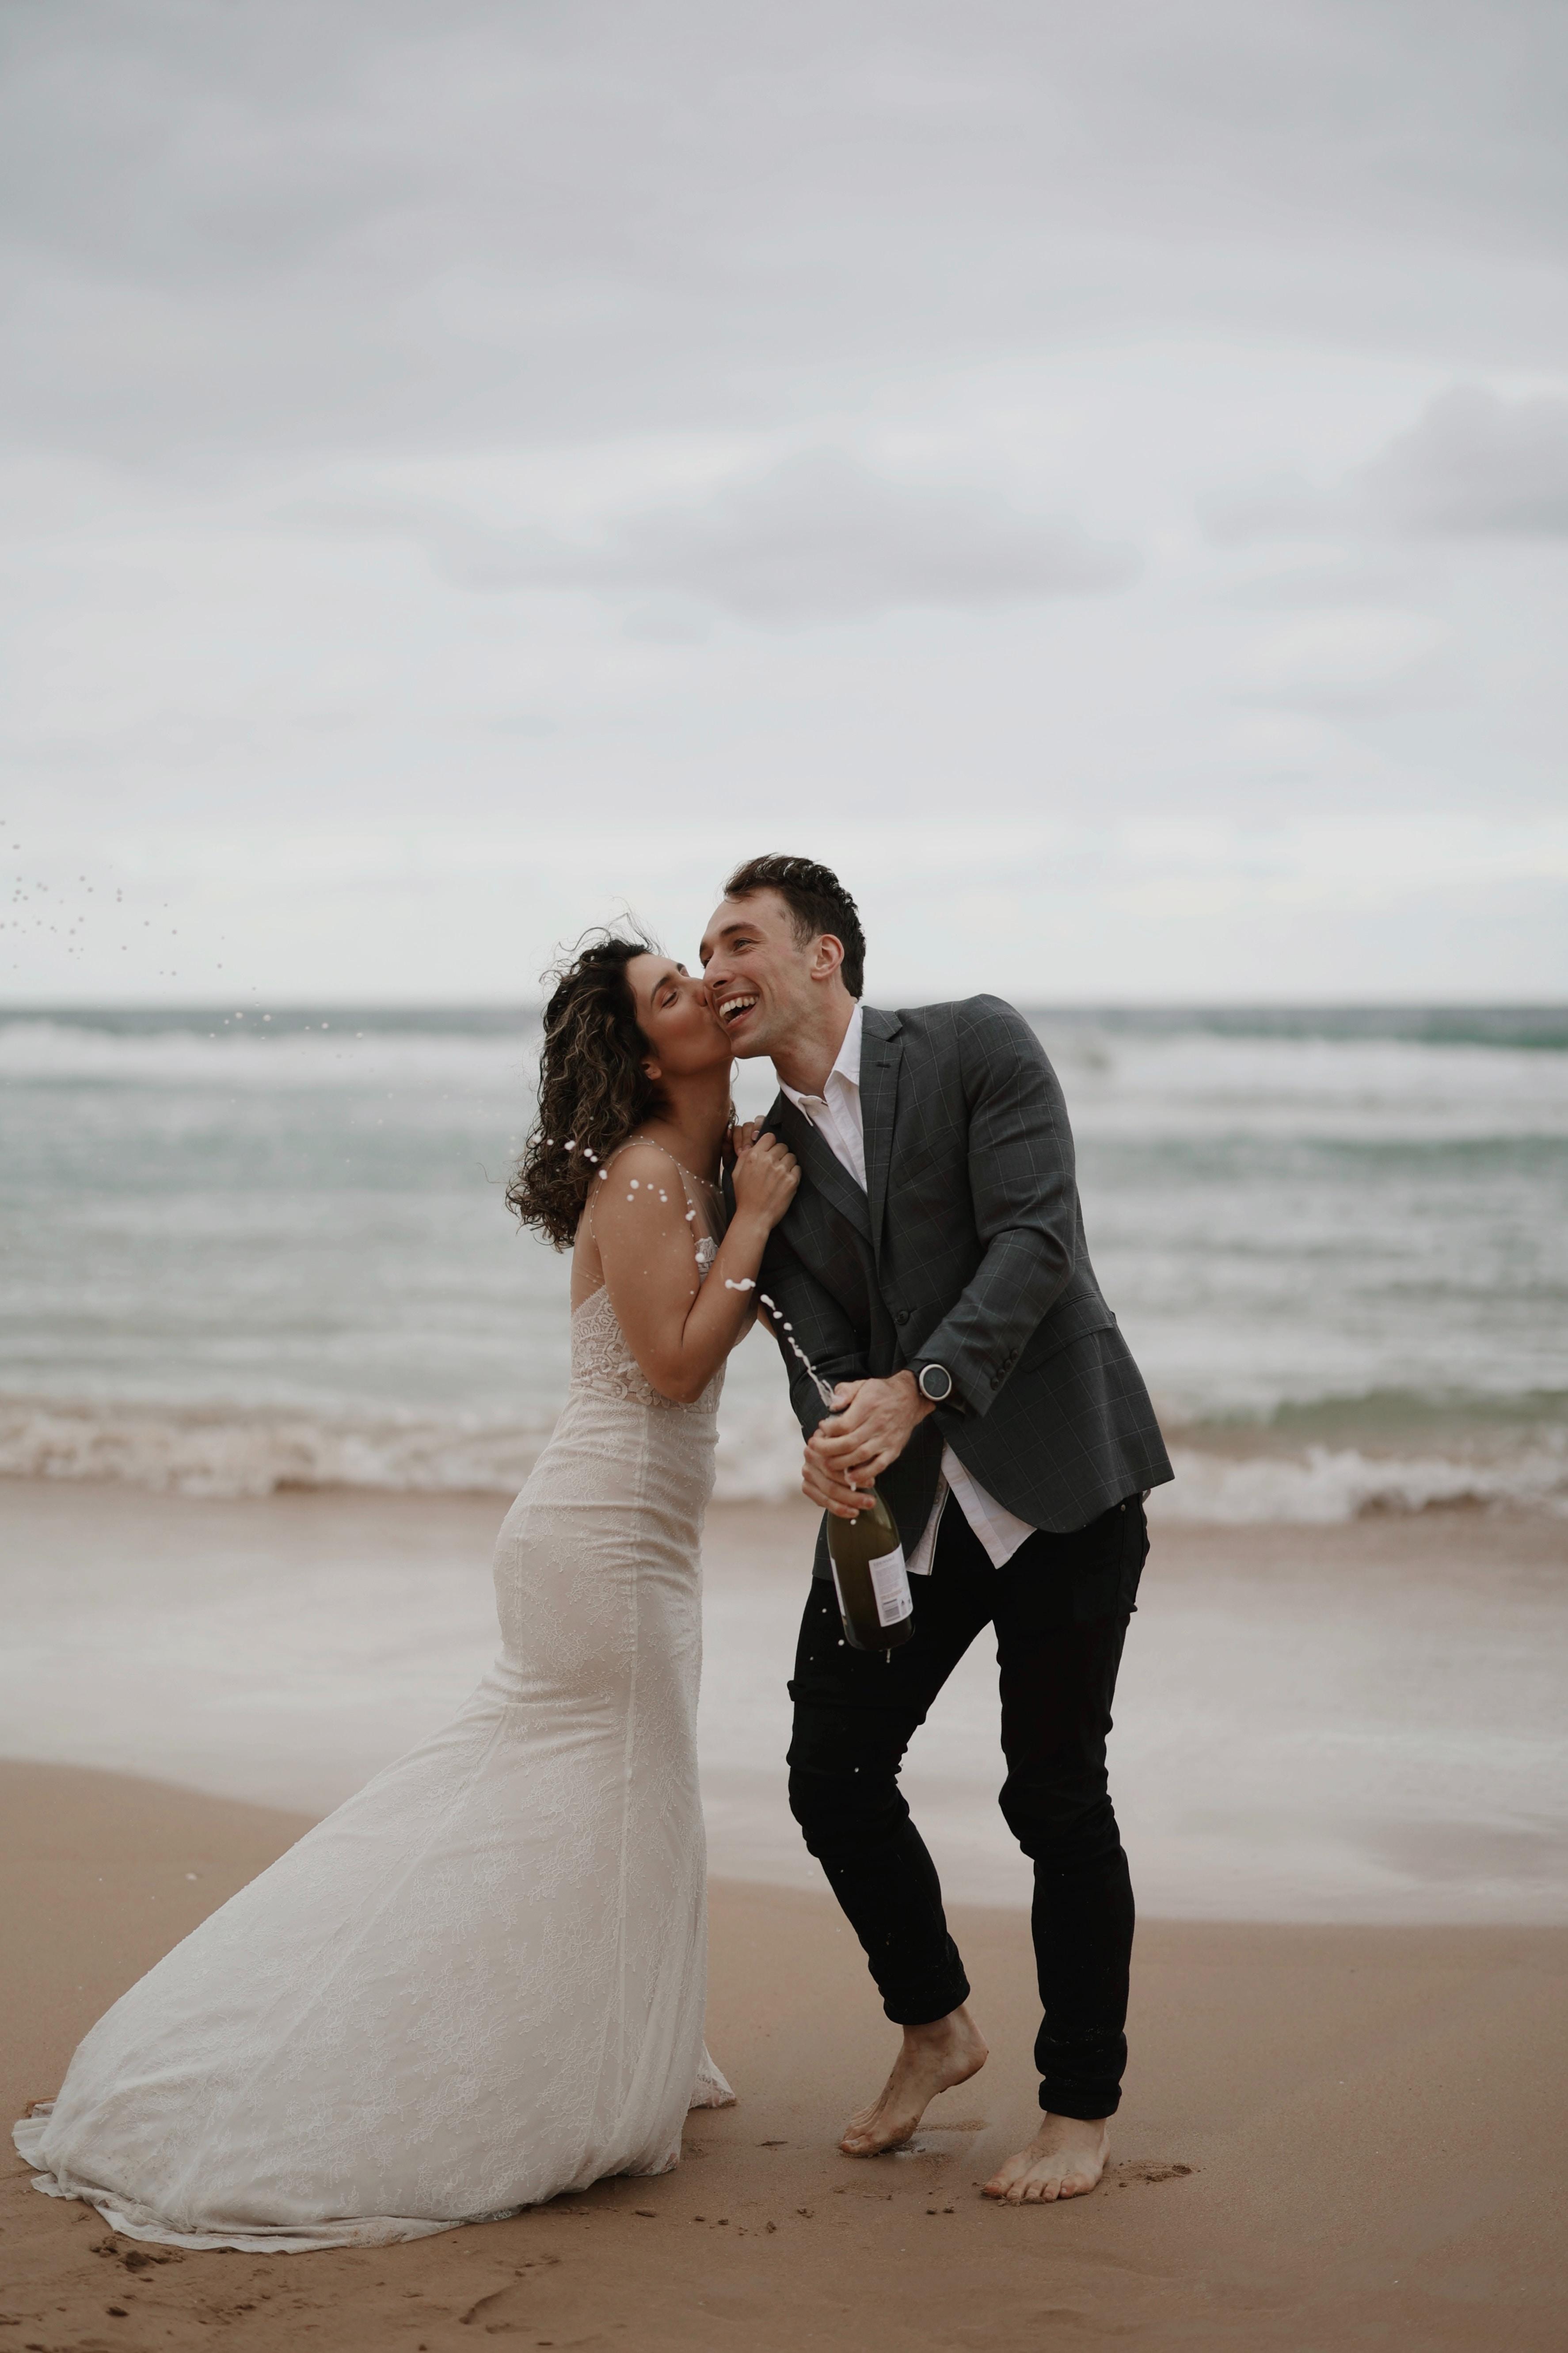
212, 1452
1335, 1484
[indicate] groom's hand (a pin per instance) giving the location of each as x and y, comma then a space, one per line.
871, 1425
831, 1495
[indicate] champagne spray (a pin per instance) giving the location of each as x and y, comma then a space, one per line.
870, 1576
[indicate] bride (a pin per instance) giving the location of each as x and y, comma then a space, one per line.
481, 1981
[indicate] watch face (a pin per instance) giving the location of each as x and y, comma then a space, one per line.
936, 1382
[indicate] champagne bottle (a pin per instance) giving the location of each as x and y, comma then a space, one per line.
871, 1579
868, 1555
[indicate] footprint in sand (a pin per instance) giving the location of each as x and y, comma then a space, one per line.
1144, 2170
930, 2140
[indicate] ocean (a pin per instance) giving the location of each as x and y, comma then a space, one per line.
246, 1250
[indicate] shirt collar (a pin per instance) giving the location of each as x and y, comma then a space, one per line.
846, 1066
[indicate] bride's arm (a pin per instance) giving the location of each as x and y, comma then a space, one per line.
680, 1328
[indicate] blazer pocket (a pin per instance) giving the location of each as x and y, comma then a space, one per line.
1074, 1319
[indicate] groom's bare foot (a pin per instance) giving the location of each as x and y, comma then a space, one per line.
933, 2058
1064, 2160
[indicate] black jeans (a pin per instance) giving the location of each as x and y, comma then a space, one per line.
1060, 1608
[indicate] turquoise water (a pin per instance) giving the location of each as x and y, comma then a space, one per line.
240, 1252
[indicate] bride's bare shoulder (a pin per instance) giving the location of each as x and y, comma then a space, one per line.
642, 1178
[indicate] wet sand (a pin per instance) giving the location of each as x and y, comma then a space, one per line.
1334, 2136
1360, 1722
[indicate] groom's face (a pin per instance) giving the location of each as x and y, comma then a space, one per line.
759, 972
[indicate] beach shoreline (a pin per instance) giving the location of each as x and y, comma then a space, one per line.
1332, 2135
1335, 1459
1391, 1684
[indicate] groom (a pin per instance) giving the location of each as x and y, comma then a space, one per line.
933, 1265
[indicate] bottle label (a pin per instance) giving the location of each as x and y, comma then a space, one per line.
890, 1584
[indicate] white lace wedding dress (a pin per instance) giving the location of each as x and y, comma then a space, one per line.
481, 1981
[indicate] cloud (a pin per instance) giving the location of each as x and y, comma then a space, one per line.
1475, 466
1359, 662
1275, 506
820, 537
285, 226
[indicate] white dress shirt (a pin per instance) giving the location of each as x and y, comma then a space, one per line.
835, 1111
837, 1115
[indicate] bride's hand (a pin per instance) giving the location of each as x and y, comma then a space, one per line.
766, 1177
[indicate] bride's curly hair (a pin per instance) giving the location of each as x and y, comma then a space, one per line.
592, 1088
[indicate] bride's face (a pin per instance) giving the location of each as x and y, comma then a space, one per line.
675, 1015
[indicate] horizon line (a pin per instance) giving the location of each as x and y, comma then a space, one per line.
254, 1001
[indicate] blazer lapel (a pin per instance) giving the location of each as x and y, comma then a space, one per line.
881, 1053
821, 1163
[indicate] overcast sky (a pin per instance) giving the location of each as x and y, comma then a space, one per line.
1098, 475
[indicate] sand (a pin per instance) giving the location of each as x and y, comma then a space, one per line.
1360, 1722
1334, 2136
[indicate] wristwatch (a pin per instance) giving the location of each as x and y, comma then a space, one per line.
934, 1383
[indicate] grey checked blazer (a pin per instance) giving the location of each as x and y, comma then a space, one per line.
967, 1247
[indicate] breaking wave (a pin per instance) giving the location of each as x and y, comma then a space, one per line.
1326, 1484
233, 1453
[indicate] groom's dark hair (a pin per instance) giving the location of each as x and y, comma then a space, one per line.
817, 901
